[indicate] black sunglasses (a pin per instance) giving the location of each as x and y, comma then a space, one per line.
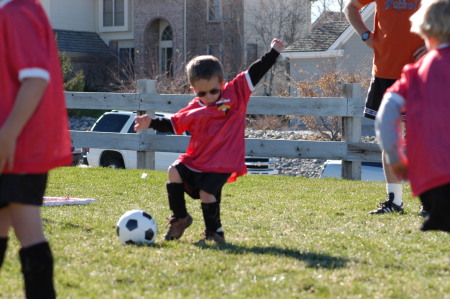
212, 91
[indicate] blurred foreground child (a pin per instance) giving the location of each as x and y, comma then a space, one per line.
34, 136
423, 93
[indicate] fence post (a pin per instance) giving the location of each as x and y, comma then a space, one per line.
146, 160
351, 131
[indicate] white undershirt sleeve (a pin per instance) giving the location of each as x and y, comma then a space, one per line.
34, 73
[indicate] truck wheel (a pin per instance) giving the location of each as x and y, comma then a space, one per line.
113, 163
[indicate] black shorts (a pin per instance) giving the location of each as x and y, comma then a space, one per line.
22, 188
375, 94
194, 181
437, 203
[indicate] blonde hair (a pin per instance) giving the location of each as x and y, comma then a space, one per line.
204, 67
432, 20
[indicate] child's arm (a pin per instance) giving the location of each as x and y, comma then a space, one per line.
28, 98
388, 131
260, 67
158, 124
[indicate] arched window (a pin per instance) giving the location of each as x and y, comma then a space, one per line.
167, 33
166, 49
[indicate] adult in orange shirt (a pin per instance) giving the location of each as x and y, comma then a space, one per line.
394, 46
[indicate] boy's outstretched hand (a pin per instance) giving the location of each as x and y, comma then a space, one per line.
277, 45
142, 122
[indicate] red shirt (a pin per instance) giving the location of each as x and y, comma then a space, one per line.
217, 143
393, 42
28, 50
424, 86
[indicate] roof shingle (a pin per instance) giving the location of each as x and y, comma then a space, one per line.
320, 38
81, 42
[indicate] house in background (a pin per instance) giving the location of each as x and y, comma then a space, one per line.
87, 52
155, 36
262, 23
328, 16
169, 33
330, 47
95, 34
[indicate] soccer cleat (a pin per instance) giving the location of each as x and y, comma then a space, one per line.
217, 237
388, 206
423, 212
177, 226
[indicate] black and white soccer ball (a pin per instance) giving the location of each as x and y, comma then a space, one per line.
137, 227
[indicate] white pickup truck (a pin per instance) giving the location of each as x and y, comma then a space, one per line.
123, 122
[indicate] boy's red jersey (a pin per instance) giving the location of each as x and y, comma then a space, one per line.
218, 131
28, 50
424, 86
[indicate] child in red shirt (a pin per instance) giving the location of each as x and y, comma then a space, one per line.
423, 94
34, 136
216, 151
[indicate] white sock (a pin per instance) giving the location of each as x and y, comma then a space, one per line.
397, 190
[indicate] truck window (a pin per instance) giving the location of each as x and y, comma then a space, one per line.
131, 129
110, 123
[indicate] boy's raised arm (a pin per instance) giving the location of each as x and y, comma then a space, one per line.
260, 67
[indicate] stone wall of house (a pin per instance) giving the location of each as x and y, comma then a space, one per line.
146, 32
199, 34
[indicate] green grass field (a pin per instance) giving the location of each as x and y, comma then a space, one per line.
287, 238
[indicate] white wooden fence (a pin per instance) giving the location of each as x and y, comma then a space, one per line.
350, 150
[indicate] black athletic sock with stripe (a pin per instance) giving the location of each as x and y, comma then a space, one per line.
177, 203
37, 270
3, 246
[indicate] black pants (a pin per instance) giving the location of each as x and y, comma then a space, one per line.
437, 203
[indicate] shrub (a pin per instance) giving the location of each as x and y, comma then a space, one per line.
73, 81
267, 122
327, 84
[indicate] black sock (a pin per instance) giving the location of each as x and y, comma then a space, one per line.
177, 203
211, 216
219, 196
3, 246
37, 270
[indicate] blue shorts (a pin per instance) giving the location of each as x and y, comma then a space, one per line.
22, 188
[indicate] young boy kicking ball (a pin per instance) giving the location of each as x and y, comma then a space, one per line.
216, 152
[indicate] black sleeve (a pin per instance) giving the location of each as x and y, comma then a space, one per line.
162, 125
260, 67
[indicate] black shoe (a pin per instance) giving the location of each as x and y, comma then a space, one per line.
388, 206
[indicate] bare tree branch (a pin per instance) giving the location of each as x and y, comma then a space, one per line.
285, 19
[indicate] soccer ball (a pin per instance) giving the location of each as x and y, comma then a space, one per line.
136, 227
